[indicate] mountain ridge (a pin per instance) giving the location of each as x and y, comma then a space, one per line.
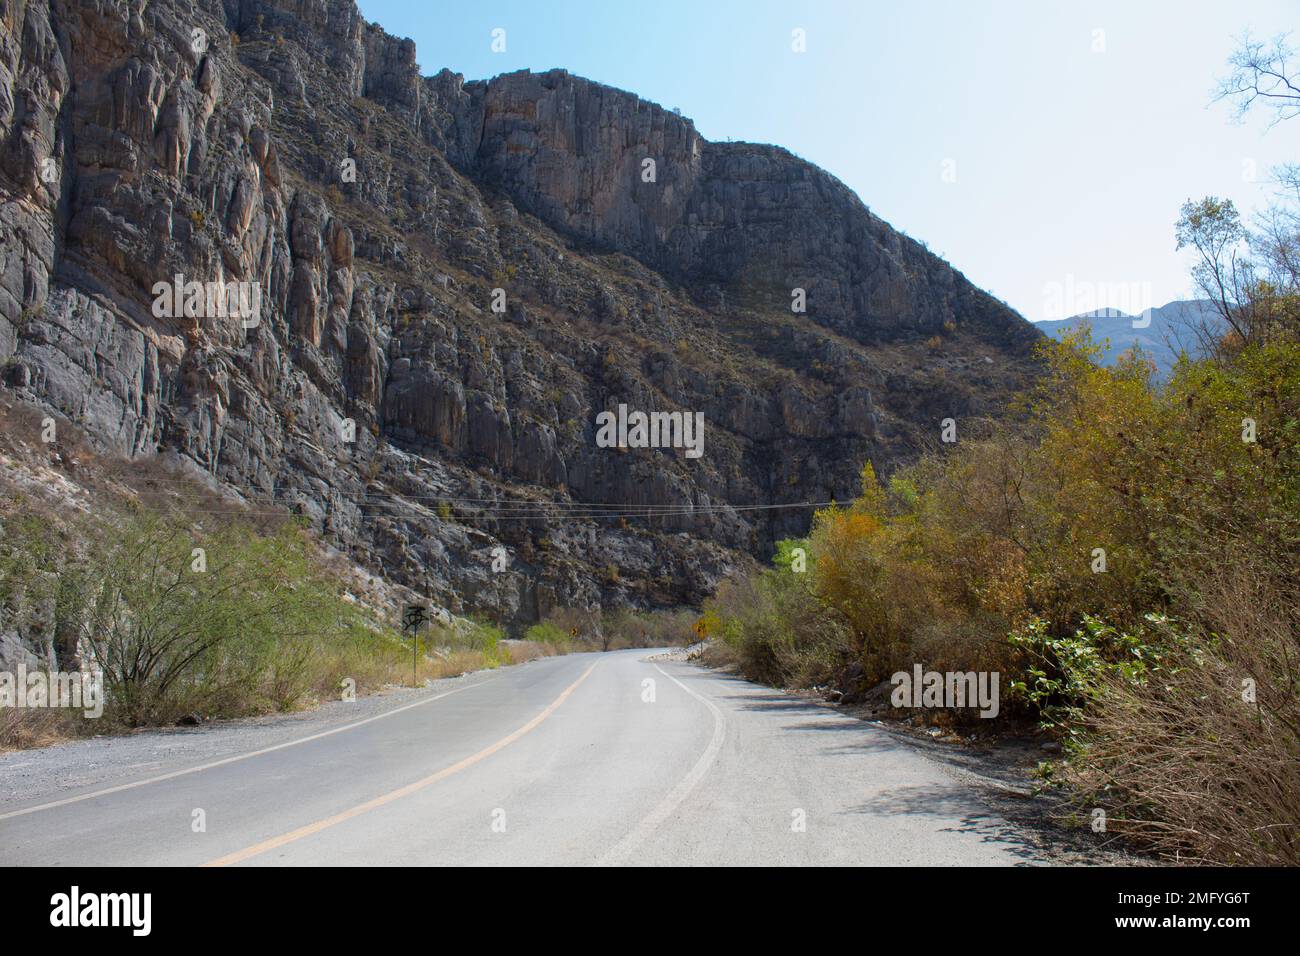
378, 291
1162, 333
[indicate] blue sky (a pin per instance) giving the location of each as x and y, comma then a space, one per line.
1065, 164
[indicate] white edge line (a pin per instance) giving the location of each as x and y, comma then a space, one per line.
668, 804
232, 759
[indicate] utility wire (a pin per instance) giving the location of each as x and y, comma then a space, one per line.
520, 508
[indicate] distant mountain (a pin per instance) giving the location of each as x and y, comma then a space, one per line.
1161, 333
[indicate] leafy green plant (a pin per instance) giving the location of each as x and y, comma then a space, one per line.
1063, 673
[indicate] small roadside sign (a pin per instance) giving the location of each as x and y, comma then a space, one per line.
414, 617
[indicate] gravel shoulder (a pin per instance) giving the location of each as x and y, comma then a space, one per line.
109, 759
1000, 769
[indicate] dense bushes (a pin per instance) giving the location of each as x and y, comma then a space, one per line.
213, 618
1128, 558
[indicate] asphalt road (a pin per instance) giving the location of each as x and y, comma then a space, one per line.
590, 759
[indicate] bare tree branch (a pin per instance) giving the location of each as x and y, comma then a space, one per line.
1262, 73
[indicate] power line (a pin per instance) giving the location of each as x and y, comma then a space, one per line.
558, 515
508, 503
520, 508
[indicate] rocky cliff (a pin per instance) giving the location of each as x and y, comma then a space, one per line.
454, 278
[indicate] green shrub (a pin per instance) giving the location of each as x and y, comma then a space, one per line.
217, 619
547, 632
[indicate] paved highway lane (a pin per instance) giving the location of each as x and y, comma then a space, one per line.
590, 759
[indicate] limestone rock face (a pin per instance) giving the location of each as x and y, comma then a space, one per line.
451, 281
574, 153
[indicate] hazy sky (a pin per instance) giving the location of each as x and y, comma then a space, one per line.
1070, 133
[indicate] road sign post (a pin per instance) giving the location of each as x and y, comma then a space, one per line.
413, 618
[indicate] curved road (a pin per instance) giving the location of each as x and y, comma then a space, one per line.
605, 759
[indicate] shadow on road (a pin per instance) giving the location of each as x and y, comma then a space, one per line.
941, 800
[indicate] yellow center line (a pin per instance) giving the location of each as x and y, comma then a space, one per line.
256, 849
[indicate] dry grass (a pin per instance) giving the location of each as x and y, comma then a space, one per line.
520, 652
374, 671
1193, 768
718, 654
27, 729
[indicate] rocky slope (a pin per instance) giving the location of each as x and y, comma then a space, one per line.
380, 215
